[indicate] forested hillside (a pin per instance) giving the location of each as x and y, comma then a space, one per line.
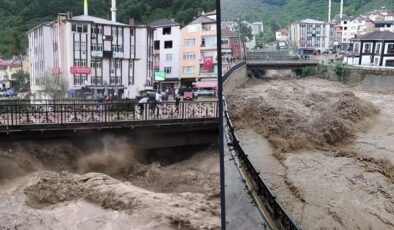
18, 16
278, 13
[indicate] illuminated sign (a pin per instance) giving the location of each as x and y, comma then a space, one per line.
160, 76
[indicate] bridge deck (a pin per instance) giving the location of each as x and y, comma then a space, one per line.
281, 63
17, 116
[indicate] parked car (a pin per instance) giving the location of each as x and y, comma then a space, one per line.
11, 93
205, 93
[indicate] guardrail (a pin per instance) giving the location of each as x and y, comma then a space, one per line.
19, 113
276, 209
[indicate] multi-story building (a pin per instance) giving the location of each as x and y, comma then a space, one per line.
342, 31
309, 34
384, 25
167, 35
198, 47
360, 26
103, 56
232, 48
7, 69
373, 49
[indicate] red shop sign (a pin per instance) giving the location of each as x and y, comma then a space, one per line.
80, 70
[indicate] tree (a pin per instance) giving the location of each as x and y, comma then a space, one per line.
21, 78
245, 33
54, 86
17, 48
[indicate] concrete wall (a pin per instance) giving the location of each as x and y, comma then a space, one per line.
370, 78
235, 79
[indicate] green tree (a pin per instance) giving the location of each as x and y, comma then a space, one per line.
340, 70
245, 33
21, 78
54, 86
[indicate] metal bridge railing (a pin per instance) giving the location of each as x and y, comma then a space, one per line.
266, 195
14, 114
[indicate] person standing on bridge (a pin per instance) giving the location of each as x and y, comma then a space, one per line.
141, 104
177, 102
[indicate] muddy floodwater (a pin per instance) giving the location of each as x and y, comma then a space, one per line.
325, 149
107, 184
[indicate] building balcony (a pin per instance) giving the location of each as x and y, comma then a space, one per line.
97, 54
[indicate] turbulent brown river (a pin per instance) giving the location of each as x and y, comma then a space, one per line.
325, 149
107, 184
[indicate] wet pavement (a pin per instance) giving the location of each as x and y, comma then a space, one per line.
241, 211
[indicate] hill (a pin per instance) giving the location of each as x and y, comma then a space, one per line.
18, 16
279, 13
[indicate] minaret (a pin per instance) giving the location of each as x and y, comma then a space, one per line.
113, 10
85, 7
341, 13
329, 10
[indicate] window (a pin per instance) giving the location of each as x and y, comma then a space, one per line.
390, 48
190, 42
167, 44
168, 57
156, 57
79, 28
389, 62
96, 64
157, 45
80, 62
167, 31
235, 41
225, 42
117, 31
208, 41
377, 49
189, 56
167, 70
189, 69
367, 48
83, 46
97, 30
356, 48
76, 46
117, 48
97, 47
206, 27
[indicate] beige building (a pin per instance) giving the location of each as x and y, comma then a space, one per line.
7, 69
198, 45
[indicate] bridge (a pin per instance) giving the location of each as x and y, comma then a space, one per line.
168, 123
280, 64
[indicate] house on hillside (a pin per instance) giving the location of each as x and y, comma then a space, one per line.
373, 49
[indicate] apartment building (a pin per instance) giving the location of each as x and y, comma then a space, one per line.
167, 35
342, 31
310, 34
198, 51
373, 49
102, 56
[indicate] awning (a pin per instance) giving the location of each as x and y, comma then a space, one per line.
207, 84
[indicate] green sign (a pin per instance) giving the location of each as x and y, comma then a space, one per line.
160, 76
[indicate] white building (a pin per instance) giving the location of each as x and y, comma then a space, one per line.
373, 49
282, 35
167, 35
99, 55
309, 34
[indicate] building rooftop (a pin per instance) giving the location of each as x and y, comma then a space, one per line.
376, 35
229, 33
164, 22
344, 18
308, 20
202, 19
88, 18
385, 22
283, 31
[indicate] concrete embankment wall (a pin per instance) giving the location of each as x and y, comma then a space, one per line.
235, 78
369, 78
